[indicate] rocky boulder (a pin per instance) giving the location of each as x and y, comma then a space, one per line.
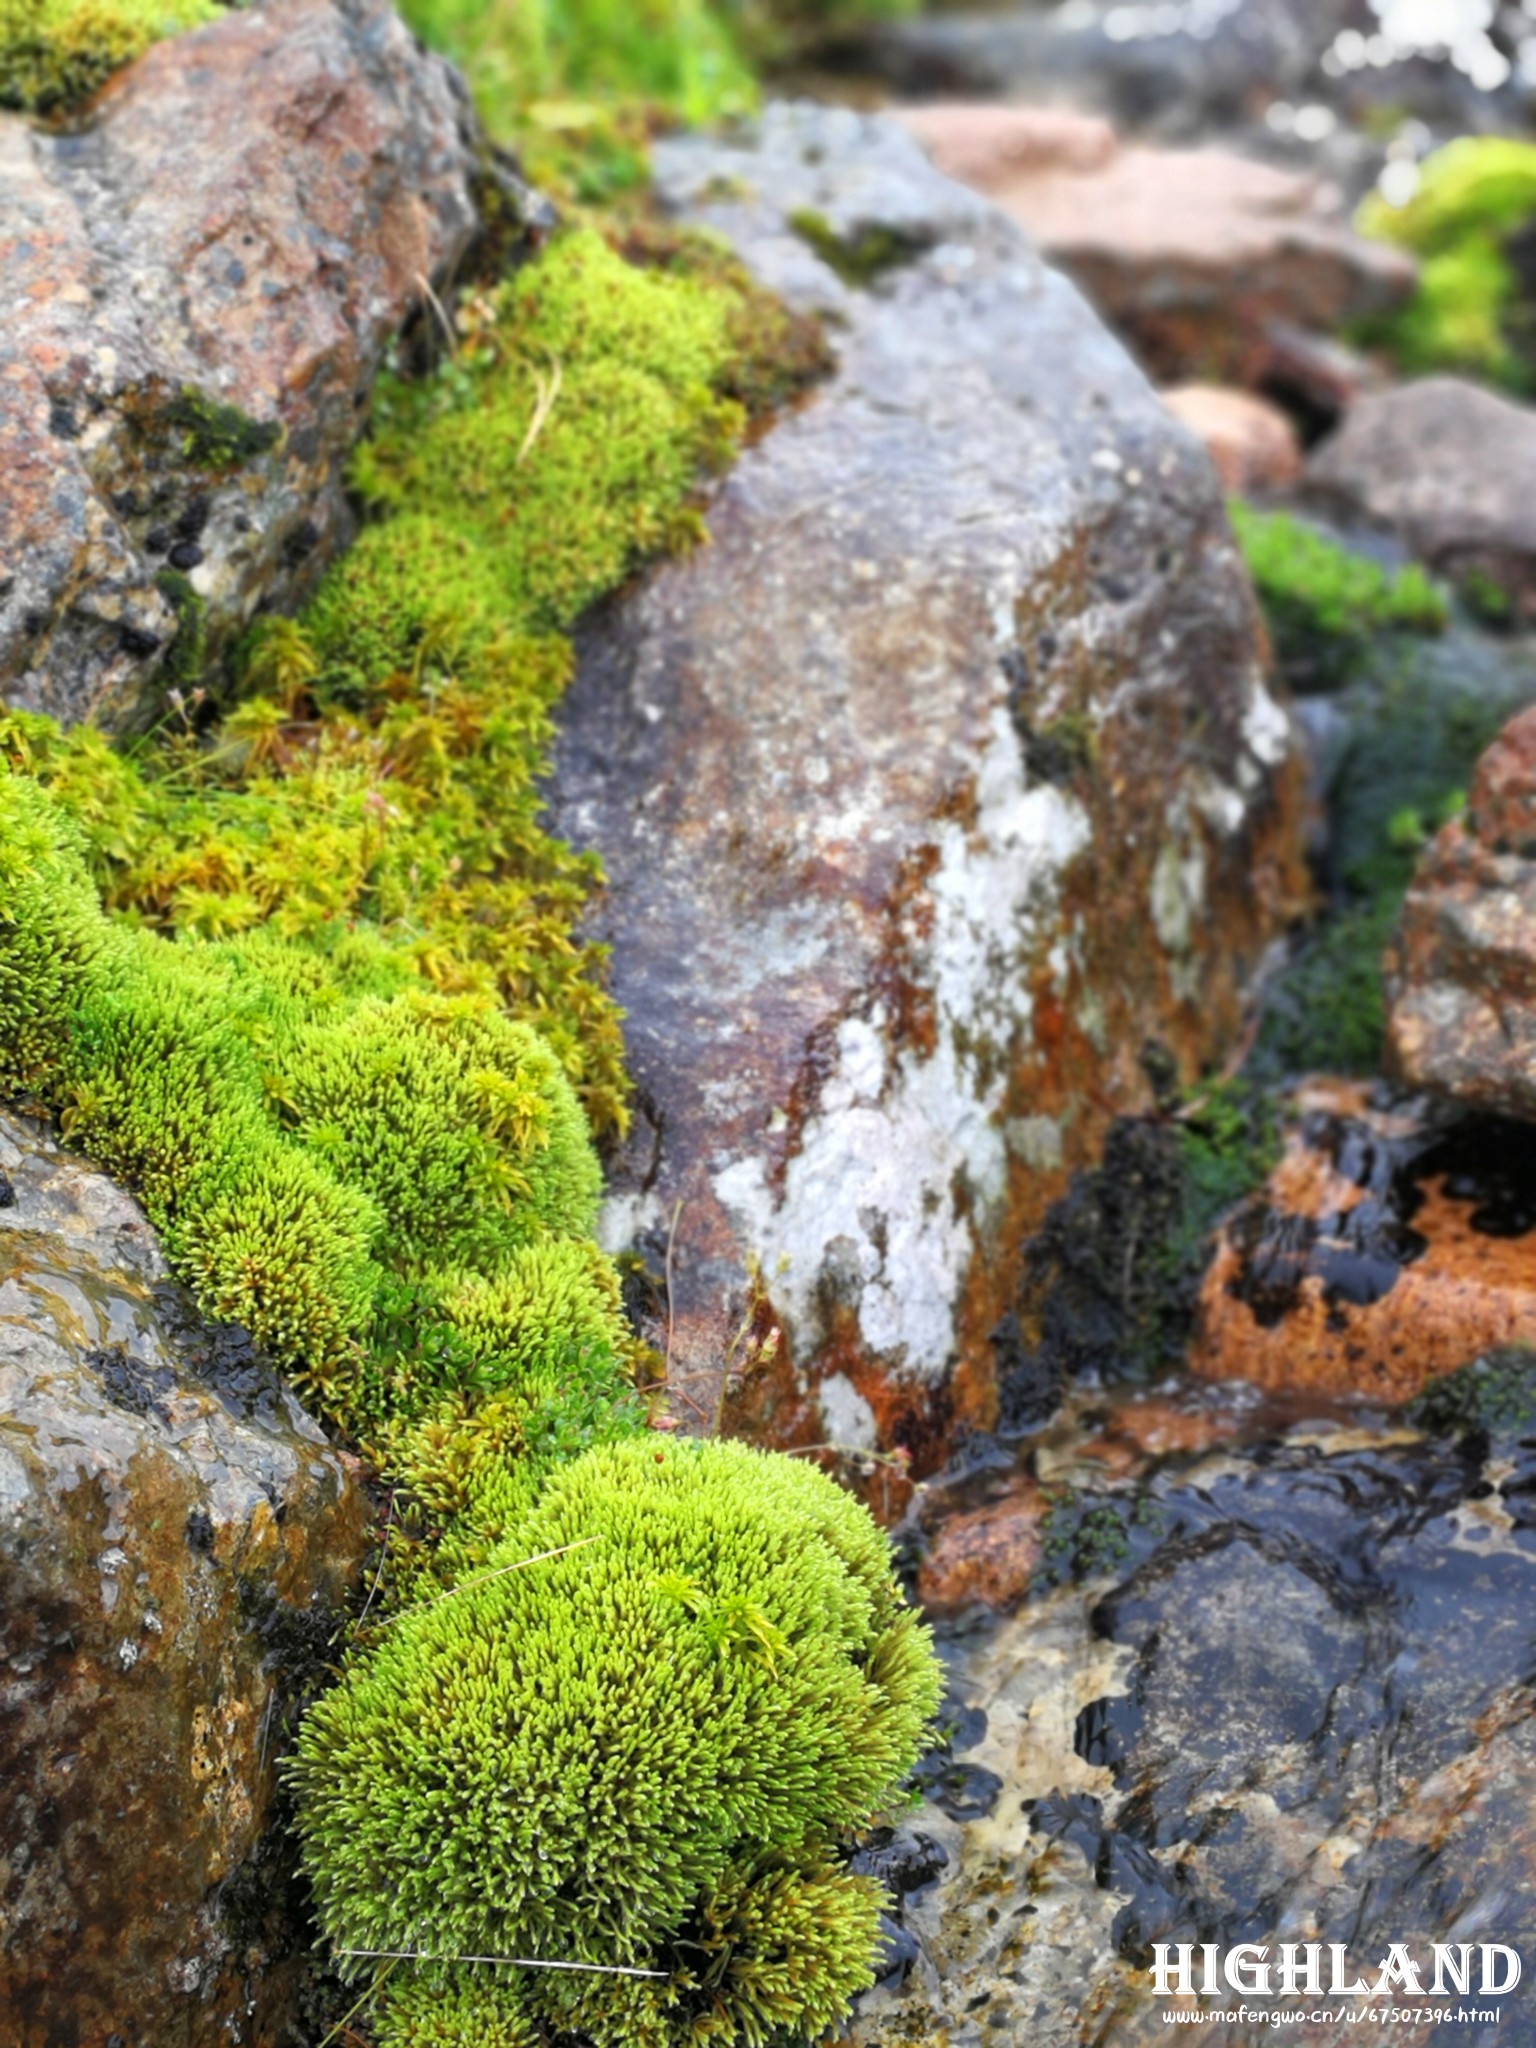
1204, 261
176, 1538
1461, 972
1447, 466
939, 781
200, 285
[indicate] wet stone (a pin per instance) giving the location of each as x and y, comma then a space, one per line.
1303, 1711
177, 1542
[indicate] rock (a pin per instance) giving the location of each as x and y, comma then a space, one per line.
985, 1556
1301, 1713
1461, 971
175, 1539
982, 145
1193, 256
1447, 466
1251, 443
1388, 1249
201, 283
964, 691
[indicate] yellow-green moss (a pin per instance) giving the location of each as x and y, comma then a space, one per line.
640, 1751
55, 53
1467, 313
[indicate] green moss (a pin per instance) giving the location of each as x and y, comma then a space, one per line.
642, 1752
1088, 1537
182, 667
55, 53
1468, 312
1322, 601
858, 259
216, 436
1496, 1393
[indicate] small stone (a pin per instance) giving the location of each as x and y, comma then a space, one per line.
986, 1556
1447, 466
1252, 444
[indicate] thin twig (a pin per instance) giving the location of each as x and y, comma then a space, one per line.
677, 1210
383, 1555
266, 1724
501, 1571
437, 306
543, 406
343, 2025
413, 1955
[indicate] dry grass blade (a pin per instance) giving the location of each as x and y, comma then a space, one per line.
548, 389
501, 1571
411, 1955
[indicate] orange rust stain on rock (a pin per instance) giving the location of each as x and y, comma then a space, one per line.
1467, 1293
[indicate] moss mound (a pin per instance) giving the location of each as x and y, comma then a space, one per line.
642, 1752
54, 53
1475, 205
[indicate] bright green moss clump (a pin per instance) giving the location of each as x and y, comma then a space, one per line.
304, 1125
387, 772
643, 1752
1322, 601
54, 53
1474, 196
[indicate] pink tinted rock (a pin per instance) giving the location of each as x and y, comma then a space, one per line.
1252, 444
247, 219
1194, 255
983, 145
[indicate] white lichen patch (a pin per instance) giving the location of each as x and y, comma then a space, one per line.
901, 1170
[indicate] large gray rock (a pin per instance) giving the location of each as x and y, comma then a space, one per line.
941, 780
1448, 466
176, 1537
199, 287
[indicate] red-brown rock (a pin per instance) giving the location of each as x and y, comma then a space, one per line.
1374, 1261
1193, 256
200, 285
1461, 971
1252, 444
987, 1556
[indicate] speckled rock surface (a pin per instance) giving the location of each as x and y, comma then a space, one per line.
1461, 972
175, 1537
199, 286
1447, 466
939, 781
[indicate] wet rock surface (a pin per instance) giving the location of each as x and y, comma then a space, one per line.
965, 689
1194, 256
1392, 1244
1293, 1703
1446, 465
201, 282
176, 1540
1462, 969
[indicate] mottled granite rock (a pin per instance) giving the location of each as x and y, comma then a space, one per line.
199, 287
176, 1537
1461, 970
1447, 466
941, 780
